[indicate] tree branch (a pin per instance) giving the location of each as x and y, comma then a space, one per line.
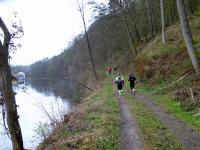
19, 29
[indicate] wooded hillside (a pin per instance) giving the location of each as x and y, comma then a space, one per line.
124, 26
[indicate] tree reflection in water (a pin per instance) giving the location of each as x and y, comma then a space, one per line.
65, 89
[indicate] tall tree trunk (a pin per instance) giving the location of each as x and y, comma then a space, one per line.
127, 28
10, 103
175, 11
191, 5
149, 4
129, 34
137, 35
163, 21
87, 38
187, 35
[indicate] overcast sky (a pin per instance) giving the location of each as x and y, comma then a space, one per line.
49, 25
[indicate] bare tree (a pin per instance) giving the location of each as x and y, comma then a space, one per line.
163, 21
8, 94
81, 9
188, 35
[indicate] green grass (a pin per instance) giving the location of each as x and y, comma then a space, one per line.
156, 135
107, 119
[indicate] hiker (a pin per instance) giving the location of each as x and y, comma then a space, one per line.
110, 70
115, 69
132, 79
120, 82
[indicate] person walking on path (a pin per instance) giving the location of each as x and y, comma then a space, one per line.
110, 70
132, 79
120, 82
115, 69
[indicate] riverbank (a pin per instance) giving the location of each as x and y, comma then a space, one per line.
94, 123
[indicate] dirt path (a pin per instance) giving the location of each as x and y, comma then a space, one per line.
129, 130
183, 132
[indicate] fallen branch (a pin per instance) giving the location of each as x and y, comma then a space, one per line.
169, 85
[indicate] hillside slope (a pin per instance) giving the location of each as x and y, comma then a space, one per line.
167, 69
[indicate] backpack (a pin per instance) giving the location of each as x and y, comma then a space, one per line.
119, 81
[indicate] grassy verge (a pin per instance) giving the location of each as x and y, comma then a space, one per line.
175, 107
154, 132
93, 125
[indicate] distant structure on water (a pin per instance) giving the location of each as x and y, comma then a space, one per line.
20, 77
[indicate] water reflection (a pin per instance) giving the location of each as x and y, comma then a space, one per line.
39, 100
63, 88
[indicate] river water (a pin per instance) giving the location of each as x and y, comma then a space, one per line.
37, 100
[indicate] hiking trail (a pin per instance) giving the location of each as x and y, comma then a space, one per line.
131, 139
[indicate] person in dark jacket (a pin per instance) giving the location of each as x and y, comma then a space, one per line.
132, 79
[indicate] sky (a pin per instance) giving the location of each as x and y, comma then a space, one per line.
49, 26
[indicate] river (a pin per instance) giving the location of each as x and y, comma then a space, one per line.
37, 100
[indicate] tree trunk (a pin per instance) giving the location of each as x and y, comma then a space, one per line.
130, 38
163, 21
6, 77
191, 5
149, 4
175, 14
137, 35
11, 110
187, 35
129, 34
87, 39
